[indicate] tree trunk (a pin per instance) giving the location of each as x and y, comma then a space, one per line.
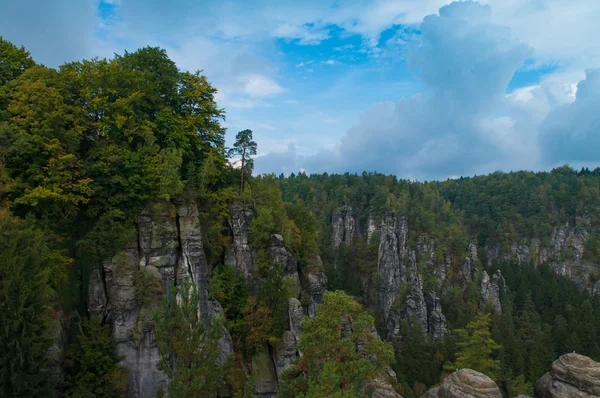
242, 172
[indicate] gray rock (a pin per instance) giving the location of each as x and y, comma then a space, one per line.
96, 299
316, 285
414, 308
390, 263
280, 255
344, 226
436, 326
490, 291
240, 217
571, 376
296, 314
193, 263
371, 227
265, 382
465, 383
158, 236
163, 233
286, 353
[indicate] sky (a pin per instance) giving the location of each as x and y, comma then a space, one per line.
424, 89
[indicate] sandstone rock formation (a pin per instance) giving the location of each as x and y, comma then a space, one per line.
390, 264
571, 376
490, 291
286, 353
344, 226
465, 383
242, 255
436, 326
167, 248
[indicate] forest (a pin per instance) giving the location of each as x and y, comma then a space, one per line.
116, 183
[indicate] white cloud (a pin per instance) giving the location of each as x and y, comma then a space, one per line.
571, 132
465, 63
261, 86
301, 64
329, 62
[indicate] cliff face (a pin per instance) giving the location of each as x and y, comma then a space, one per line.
398, 271
344, 226
563, 251
167, 247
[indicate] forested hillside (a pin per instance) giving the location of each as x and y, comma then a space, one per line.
139, 257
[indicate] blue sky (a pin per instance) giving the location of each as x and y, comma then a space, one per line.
424, 89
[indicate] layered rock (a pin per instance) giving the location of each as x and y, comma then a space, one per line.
242, 255
371, 227
390, 262
315, 284
490, 291
167, 248
280, 255
344, 226
563, 252
572, 375
265, 377
286, 353
470, 264
436, 321
465, 383
296, 314
96, 299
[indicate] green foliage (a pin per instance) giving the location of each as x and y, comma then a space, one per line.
92, 366
332, 365
26, 295
245, 148
520, 387
189, 349
476, 348
275, 292
14, 61
228, 286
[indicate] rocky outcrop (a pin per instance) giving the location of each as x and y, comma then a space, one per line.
265, 377
371, 227
279, 254
572, 375
242, 255
296, 314
465, 383
414, 308
382, 387
344, 226
316, 284
166, 249
436, 321
96, 299
286, 353
390, 263
470, 265
490, 291
563, 251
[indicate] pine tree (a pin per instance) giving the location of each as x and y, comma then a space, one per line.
244, 147
25, 300
332, 365
92, 366
189, 350
476, 348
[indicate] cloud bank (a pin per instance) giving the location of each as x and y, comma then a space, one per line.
464, 123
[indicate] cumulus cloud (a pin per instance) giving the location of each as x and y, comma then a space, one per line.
260, 86
571, 132
457, 126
